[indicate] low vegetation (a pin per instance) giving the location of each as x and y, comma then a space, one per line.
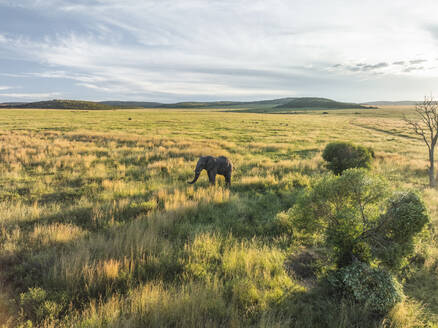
366, 235
343, 155
99, 228
373, 288
356, 220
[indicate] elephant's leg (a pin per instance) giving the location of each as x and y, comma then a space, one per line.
212, 176
228, 179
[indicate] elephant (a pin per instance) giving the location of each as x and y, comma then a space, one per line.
214, 165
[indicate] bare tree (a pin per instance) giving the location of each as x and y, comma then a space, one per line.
427, 127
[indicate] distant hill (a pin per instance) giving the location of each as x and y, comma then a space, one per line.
62, 104
197, 104
188, 104
9, 104
317, 103
260, 106
277, 102
131, 104
391, 103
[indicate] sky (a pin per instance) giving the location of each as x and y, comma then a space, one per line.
186, 50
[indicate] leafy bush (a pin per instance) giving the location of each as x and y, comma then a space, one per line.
37, 307
336, 210
405, 217
374, 288
343, 155
346, 213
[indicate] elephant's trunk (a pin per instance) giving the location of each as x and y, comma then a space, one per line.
197, 173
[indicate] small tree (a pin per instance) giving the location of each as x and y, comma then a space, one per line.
357, 221
368, 234
427, 128
343, 155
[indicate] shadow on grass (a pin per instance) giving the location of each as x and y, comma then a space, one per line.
420, 287
61, 196
247, 214
305, 153
320, 307
393, 133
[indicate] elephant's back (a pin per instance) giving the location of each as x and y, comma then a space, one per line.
226, 161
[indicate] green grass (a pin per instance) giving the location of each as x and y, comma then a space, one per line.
99, 228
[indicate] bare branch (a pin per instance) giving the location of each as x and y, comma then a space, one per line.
427, 128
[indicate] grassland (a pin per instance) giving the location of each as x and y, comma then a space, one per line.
98, 227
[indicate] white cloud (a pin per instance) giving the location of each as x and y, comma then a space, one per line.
94, 87
2, 87
41, 95
248, 48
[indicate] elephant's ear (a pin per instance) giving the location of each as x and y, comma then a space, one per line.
211, 163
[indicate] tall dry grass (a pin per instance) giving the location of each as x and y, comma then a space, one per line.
99, 228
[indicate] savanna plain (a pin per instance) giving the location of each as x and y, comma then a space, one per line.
99, 228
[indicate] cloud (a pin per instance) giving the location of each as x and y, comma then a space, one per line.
31, 95
361, 67
95, 87
397, 67
138, 72
4, 88
413, 68
374, 67
433, 30
417, 61
169, 50
82, 77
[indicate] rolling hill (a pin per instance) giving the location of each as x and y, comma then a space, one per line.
62, 104
11, 104
131, 104
199, 104
272, 105
320, 103
261, 106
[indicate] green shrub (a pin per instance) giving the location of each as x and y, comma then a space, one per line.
346, 214
31, 301
336, 210
405, 217
37, 307
373, 288
343, 155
